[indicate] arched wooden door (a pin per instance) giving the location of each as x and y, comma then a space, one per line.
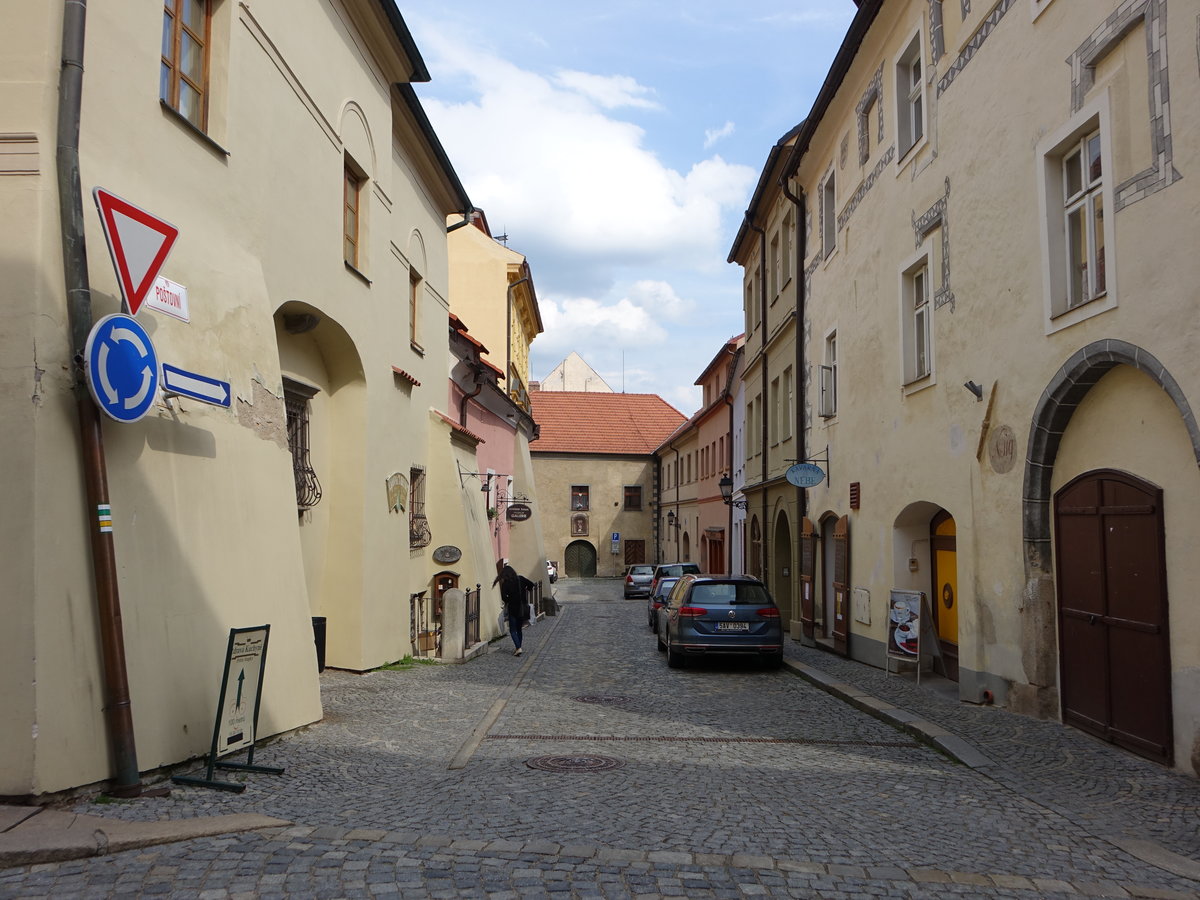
580, 559
841, 586
1114, 657
808, 567
781, 578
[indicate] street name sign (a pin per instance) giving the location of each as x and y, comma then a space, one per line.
122, 368
138, 242
169, 298
198, 387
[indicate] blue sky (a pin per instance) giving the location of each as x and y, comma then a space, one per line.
617, 144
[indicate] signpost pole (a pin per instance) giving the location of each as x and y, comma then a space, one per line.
117, 710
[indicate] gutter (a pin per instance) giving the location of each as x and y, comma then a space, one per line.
801, 370
409, 96
763, 403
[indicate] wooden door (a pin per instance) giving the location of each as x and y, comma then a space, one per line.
944, 549
580, 560
808, 560
1114, 655
841, 586
635, 552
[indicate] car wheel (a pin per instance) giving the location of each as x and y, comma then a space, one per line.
675, 659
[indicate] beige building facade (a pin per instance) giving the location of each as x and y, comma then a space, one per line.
311, 196
995, 280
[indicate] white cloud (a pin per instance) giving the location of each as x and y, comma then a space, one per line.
607, 91
544, 158
712, 135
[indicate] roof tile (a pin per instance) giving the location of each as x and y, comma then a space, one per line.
596, 422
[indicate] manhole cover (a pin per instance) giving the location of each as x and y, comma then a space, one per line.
574, 763
602, 700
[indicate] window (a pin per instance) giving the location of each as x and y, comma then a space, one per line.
1075, 196
786, 252
827, 402
579, 497
414, 305
775, 282
776, 413
418, 525
1084, 221
633, 496
828, 215
918, 348
183, 76
785, 407
296, 397
352, 184
910, 97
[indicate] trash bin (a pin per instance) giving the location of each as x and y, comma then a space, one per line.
319, 640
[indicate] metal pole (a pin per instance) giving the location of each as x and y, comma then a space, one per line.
117, 710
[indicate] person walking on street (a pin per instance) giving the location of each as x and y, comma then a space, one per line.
514, 601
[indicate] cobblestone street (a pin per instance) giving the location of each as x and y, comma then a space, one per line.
720, 780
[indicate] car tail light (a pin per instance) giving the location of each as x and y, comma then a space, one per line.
629, 579
769, 612
692, 611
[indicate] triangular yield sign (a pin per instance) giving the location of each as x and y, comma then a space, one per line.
138, 242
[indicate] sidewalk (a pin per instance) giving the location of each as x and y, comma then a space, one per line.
1146, 810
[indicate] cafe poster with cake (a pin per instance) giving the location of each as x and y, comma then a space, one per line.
904, 624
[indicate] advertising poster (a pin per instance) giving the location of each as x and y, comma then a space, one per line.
904, 624
243, 674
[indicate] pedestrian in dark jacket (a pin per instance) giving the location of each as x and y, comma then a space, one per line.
515, 605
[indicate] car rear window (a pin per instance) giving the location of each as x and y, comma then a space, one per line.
728, 594
641, 570
664, 586
681, 569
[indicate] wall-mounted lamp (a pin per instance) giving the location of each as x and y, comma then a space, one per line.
726, 486
975, 389
671, 523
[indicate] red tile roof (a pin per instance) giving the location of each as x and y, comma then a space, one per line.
578, 422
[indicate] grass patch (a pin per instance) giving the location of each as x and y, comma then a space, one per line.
408, 662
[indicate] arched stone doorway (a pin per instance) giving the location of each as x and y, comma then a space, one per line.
1058, 404
580, 560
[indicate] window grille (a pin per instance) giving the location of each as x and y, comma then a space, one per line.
580, 499
419, 534
296, 397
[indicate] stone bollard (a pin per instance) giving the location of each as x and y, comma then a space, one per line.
454, 623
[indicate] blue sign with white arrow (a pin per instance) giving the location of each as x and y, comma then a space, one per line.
198, 387
122, 368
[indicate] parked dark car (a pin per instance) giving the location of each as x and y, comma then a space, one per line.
657, 599
637, 580
673, 570
710, 615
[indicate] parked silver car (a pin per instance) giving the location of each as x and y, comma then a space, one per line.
711, 615
637, 580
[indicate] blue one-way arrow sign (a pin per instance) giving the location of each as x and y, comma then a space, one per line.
198, 387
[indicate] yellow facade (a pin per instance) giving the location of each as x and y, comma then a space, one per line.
997, 263
207, 530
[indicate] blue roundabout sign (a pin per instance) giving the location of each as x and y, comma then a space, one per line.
122, 368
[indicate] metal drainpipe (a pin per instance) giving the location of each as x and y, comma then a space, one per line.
801, 298
762, 437
117, 711
462, 406
729, 463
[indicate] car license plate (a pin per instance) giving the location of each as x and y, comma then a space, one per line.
733, 626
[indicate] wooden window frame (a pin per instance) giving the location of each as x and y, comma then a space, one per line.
633, 489
171, 75
352, 185
581, 492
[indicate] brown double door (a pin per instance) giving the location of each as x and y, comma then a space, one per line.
1112, 611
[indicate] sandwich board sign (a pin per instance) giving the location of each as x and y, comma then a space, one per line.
910, 634
237, 708
138, 242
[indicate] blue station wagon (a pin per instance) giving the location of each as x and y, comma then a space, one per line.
714, 615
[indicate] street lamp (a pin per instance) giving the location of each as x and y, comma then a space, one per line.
726, 486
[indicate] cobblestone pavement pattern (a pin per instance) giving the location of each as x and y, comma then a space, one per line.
726, 781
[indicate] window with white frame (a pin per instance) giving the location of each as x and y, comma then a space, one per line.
916, 320
828, 215
827, 401
774, 272
1077, 229
910, 97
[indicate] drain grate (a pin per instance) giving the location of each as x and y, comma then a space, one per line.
574, 763
603, 700
700, 740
